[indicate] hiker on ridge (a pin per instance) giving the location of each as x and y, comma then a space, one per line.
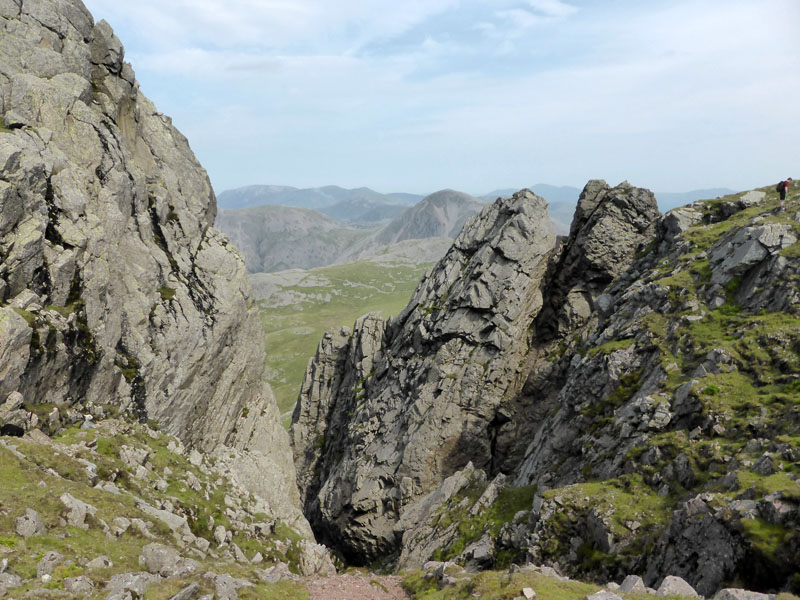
783, 189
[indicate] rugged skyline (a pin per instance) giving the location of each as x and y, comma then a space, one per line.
419, 96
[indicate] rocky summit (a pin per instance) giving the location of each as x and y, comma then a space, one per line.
620, 401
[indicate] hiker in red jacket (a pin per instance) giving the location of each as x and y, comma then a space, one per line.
783, 189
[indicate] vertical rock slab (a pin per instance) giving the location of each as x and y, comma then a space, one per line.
391, 410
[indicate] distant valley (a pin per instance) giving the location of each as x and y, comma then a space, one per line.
299, 306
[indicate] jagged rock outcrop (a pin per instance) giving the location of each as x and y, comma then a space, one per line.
647, 426
370, 433
116, 293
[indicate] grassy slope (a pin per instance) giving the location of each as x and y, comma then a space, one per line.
293, 332
46, 472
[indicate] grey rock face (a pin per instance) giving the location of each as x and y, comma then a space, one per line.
417, 520
106, 215
609, 227
114, 286
736, 253
368, 433
694, 525
30, 524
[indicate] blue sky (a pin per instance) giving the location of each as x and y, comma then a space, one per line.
420, 95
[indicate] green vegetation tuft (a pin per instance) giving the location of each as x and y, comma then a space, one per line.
167, 293
611, 347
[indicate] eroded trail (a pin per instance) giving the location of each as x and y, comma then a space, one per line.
356, 587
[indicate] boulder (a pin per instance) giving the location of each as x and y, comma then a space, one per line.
122, 586
739, 594
80, 586
226, 586
672, 585
315, 560
166, 561
633, 584
30, 524
101, 562
187, 593
275, 573
77, 511
8, 581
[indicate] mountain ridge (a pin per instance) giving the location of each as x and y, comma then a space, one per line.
608, 375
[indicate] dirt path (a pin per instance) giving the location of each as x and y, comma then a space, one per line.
356, 587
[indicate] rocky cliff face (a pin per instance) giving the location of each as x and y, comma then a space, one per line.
391, 409
116, 293
626, 399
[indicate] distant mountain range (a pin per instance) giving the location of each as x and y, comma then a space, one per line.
359, 205
281, 227
366, 206
275, 238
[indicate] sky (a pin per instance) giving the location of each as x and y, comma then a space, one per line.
420, 95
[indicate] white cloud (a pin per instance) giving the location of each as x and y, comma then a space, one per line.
552, 8
508, 90
274, 24
520, 19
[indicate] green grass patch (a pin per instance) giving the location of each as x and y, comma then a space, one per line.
167, 293
66, 311
626, 498
497, 585
767, 484
766, 537
339, 296
610, 347
29, 317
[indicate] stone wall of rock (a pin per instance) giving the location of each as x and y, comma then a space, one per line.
394, 408
115, 290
